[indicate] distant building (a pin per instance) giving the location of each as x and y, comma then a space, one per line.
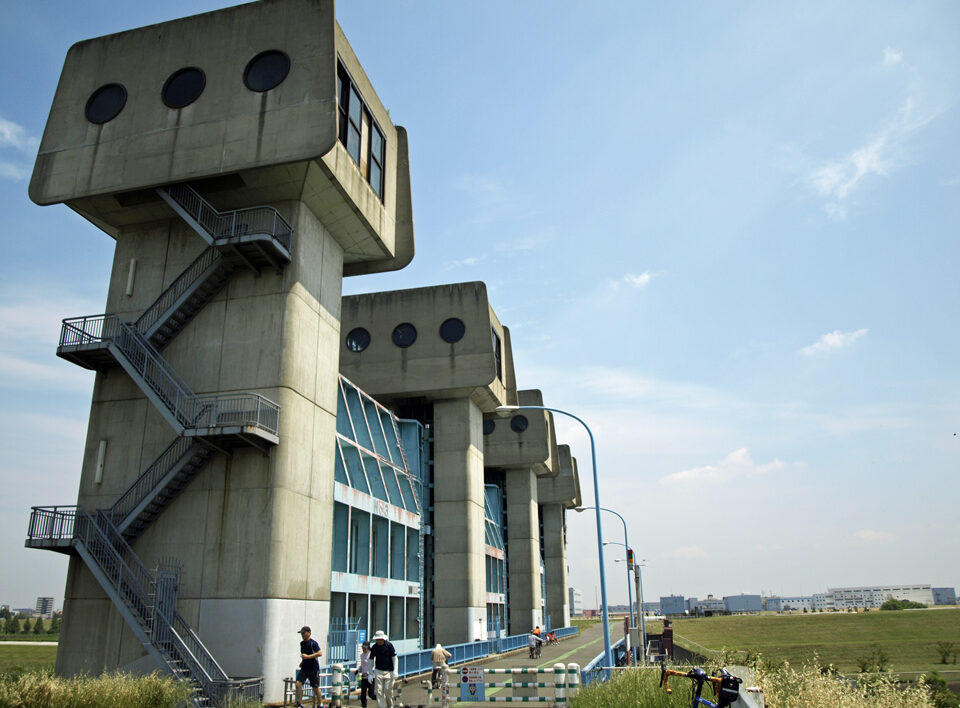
691, 605
823, 601
944, 596
672, 605
45, 607
710, 604
742, 603
775, 603
652, 608
576, 601
873, 596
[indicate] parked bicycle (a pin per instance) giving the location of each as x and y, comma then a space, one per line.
726, 686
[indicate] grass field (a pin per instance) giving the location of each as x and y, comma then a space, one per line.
29, 658
906, 636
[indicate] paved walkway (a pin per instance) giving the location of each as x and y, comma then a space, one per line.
579, 649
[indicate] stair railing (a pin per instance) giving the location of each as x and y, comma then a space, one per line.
177, 288
231, 224
150, 478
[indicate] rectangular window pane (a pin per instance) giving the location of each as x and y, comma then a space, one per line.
376, 145
355, 107
413, 626
396, 617
376, 179
353, 142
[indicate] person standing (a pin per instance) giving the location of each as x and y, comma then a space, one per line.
439, 657
384, 666
365, 674
309, 666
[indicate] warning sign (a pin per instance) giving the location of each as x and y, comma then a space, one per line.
471, 683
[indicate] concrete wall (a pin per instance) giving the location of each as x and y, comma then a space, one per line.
430, 367
253, 146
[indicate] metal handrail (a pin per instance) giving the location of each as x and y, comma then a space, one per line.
130, 579
232, 224
178, 287
150, 478
189, 409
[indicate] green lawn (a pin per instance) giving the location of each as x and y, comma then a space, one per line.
907, 636
30, 658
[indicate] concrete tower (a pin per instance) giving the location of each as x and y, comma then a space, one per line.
441, 351
243, 164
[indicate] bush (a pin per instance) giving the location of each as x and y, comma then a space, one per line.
43, 690
810, 686
892, 604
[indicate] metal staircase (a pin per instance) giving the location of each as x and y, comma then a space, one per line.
258, 236
146, 601
203, 423
159, 485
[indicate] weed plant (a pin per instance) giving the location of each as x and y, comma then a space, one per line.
44, 690
784, 686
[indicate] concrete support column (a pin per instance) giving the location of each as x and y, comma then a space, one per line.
523, 551
459, 585
555, 565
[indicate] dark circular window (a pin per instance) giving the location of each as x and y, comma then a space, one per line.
404, 335
489, 426
266, 70
452, 330
106, 103
183, 87
358, 339
519, 423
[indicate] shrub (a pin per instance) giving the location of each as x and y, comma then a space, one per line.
43, 690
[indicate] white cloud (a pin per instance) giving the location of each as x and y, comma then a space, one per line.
632, 280
873, 536
838, 180
687, 552
463, 262
8, 170
737, 464
833, 341
15, 136
892, 57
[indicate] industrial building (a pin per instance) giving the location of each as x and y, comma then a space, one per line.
742, 603
944, 596
263, 453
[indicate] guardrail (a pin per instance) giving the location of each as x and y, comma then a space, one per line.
147, 481
130, 581
231, 224
210, 257
595, 670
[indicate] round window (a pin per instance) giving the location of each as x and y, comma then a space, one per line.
489, 426
106, 103
452, 330
358, 339
404, 335
266, 70
519, 423
183, 87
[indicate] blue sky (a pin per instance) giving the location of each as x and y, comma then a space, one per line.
724, 234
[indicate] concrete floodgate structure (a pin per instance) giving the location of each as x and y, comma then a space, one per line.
234, 485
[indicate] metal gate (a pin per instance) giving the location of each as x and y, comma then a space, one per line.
343, 640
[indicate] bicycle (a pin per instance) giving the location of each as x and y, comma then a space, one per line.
535, 650
726, 686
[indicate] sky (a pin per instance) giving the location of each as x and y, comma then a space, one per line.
723, 234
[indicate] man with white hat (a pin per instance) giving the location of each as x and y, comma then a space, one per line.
382, 654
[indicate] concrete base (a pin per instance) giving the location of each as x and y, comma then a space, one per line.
259, 637
457, 625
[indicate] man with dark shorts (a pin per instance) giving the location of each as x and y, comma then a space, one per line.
309, 666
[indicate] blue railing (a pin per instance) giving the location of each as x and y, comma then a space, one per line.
413, 663
594, 671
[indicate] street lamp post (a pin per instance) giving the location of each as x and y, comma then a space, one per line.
643, 617
626, 546
608, 652
629, 584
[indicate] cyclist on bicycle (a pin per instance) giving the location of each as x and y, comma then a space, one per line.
534, 641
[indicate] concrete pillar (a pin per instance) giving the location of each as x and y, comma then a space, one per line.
523, 550
252, 530
555, 565
460, 612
